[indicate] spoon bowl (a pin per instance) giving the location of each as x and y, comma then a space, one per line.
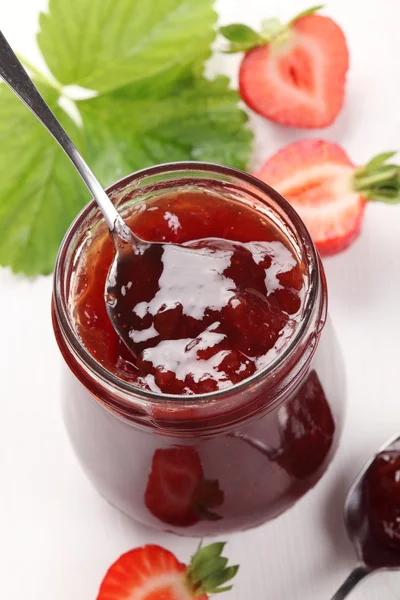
151, 284
372, 553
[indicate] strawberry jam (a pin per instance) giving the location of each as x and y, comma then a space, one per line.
239, 315
202, 316
374, 510
382, 490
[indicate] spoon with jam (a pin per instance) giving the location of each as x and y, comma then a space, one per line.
168, 302
372, 516
136, 297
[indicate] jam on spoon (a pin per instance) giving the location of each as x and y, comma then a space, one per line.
372, 516
382, 498
201, 313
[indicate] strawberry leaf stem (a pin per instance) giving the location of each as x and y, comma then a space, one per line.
379, 181
209, 571
367, 183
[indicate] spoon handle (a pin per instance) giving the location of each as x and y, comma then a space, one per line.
15, 76
350, 583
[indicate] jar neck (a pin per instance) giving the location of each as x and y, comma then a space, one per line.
224, 408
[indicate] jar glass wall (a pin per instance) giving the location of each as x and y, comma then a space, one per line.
225, 460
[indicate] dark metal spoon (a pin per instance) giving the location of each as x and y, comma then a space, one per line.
373, 555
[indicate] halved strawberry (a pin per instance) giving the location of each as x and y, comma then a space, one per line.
328, 191
153, 573
295, 73
177, 492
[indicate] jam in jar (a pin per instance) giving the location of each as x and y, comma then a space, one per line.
232, 407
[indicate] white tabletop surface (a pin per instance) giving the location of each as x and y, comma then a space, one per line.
57, 536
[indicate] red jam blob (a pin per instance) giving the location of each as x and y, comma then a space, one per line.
382, 497
308, 430
201, 320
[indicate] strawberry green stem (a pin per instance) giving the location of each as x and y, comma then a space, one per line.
209, 571
365, 183
379, 180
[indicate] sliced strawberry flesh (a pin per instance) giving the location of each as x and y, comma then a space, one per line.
147, 573
171, 592
300, 82
296, 68
325, 201
316, 177
153, 573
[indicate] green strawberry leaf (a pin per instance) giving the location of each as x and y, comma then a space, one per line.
197, 120
208, 570
242, 37
378, 161
146, 60
239, 33
40, 193
106, 44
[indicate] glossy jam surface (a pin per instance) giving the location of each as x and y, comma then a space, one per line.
202, 317
382, 489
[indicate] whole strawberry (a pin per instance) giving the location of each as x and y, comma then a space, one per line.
328, 191
293, 73
153, 573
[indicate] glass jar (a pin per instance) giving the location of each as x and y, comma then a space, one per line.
222, 461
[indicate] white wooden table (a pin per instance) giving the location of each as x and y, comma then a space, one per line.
57, 536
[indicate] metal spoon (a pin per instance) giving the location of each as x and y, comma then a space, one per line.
373, 555
134, 258
15, 76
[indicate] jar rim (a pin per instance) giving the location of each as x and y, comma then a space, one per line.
119, 385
